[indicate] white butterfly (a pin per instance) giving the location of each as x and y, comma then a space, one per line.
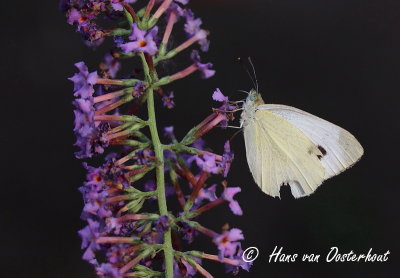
285, 145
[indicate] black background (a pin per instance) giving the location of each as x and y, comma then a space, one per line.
336, 59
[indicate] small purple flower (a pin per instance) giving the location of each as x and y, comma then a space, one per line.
188, 232
162, 224
94, 176
219, 96
228, 242
185, 270
204, 69
116, 254
94, 194
112, 65
138, 89
177, 9
242, 264
228, 195
95, 204
168, 100
90, 137
73, 16
208, 163
207, 194
141, 40
169, 132
227, 158
192, 28
89, 235
108, 271
192, 24
83, 81
226, 106
84, 123
113, 225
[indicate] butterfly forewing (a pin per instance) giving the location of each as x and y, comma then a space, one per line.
280, 153
340, 148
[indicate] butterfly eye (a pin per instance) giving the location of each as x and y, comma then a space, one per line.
252, 96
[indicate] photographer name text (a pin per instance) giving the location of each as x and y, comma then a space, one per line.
334, 255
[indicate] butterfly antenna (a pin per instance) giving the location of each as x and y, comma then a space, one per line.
248, 72
254, 72
243, 91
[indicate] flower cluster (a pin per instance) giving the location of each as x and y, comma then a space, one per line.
125, 236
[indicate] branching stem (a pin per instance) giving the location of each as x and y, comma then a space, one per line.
158, 150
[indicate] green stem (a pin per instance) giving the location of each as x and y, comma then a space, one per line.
158, 150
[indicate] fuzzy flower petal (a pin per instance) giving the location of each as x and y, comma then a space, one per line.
205, 69
228, 195
218, 96
83, 81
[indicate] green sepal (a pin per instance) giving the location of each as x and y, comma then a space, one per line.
135, 205
189, 137
163, 81
130, 82
128, 17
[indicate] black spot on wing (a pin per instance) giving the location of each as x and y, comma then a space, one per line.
322, 150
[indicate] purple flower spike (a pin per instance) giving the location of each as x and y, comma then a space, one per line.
204, 69
83, 81
122, 231
228, 195
140, 41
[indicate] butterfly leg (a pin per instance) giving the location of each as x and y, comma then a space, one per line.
225, 111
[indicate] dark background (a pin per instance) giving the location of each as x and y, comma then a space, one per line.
337, 59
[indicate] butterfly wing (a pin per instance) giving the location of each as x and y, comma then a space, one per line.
279, 153
339, 147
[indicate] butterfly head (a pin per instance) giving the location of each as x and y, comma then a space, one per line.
254, 98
